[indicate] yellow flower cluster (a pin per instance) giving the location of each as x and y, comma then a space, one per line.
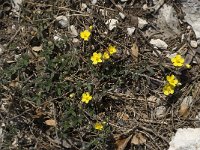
99, 57
172, 82
86, 97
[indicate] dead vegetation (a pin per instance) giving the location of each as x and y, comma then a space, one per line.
45, 67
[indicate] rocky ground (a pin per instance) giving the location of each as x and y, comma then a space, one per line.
47, 66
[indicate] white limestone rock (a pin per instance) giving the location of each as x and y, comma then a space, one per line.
73, 31
93, 2
167, 22
158, 43
62, 21
186, 139
193, 43
122, 15
131, 30
191, 9
169, 17
83, 6
16, 7
141, 23
145, 7
112, 23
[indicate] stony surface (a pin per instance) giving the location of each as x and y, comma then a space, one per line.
192, 9
16, 6
48, 66
186, 139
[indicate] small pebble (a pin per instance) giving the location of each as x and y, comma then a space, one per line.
75, 40
94, 2
63, 21
1, 49
142, 23
188, 27
145, 7
83, 6
17, 56
158, 43
122, 15
103, 12
198, 41
131, 30
112, 23
194, 44
160, 111
182, 37
57, 38
73, 31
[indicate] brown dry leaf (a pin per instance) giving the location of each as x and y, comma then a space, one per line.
134, 50
184, 110
138, 139
122, 116
14, 83
185, 105
38, 112
122, 143
50, 122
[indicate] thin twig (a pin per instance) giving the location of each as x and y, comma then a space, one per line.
12, 38
151, 78
157, 53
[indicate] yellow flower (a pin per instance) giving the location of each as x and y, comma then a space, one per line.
168, 89
96, 58
85, 35
106, 55
112, 49
98, 126
86, 97
188, 66
177, 61
172, 80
